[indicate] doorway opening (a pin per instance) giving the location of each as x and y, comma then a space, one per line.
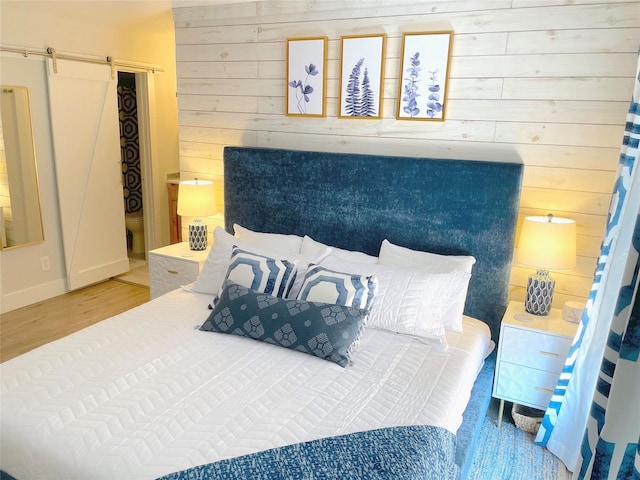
132, 171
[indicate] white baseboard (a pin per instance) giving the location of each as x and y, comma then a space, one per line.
31, 295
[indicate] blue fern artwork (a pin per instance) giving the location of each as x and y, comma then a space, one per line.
360, 99
367, 109
353, 102
411, 87
303, 89
434, 106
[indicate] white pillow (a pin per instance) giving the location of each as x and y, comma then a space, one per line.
409, 301
276, 242
312, 247
398, 256
215, 266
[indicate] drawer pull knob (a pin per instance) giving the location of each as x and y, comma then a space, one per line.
549, 354
544, 390
173, 272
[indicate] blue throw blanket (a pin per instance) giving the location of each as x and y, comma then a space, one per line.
418, 452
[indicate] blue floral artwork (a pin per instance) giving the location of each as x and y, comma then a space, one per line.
306, 76
411, 94
434, 106
422, 88
303, 90
410, 97
362, 76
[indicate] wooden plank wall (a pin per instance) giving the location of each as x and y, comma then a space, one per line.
546, 81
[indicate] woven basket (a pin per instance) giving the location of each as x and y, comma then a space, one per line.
526, 418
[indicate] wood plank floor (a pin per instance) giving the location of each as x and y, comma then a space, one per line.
29, 327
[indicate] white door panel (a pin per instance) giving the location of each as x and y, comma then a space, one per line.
86, 138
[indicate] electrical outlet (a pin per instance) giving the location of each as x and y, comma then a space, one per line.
44, 263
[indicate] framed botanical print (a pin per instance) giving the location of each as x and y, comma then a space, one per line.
424, 75
306, 76
362, 76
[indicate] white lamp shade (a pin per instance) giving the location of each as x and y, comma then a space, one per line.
196, 198
547, 243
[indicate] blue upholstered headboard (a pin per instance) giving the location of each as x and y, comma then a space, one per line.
355, 201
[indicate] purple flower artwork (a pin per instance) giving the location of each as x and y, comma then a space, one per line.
303, 89
306, 76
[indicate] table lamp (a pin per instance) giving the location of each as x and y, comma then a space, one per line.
546, 242
196, 198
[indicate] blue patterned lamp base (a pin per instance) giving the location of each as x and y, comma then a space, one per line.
197, 235
539, 293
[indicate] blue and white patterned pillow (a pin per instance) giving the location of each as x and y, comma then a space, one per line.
260, 273
326, 331
329, 286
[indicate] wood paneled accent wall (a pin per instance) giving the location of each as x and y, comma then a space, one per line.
545, 81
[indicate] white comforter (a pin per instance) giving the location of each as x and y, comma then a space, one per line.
145, 393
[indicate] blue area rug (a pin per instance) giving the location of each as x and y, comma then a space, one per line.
509, 453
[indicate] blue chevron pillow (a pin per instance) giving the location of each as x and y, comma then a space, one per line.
326, 331
260, 273
328, 286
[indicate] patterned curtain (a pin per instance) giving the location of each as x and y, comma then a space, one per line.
598, 392
611, 445
129, 149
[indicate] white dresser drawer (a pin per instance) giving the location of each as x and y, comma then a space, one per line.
526, 386
531, 354
159, 287
534, 349
172, 270
173, 266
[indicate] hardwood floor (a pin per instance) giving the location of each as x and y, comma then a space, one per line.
29, 327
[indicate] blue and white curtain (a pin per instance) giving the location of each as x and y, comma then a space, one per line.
598, 392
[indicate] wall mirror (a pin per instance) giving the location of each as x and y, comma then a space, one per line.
20, 214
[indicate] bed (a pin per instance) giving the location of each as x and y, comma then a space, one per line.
148, 394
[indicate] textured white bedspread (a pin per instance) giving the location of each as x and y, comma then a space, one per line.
145, 393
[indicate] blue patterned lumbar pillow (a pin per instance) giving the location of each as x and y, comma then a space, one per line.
260, 273
329, 286
324, 330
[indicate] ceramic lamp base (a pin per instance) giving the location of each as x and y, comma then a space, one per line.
539, 293
197, 235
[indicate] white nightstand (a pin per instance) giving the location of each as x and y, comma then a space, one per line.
531, 353
173, 266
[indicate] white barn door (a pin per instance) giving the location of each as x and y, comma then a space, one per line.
86, 141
